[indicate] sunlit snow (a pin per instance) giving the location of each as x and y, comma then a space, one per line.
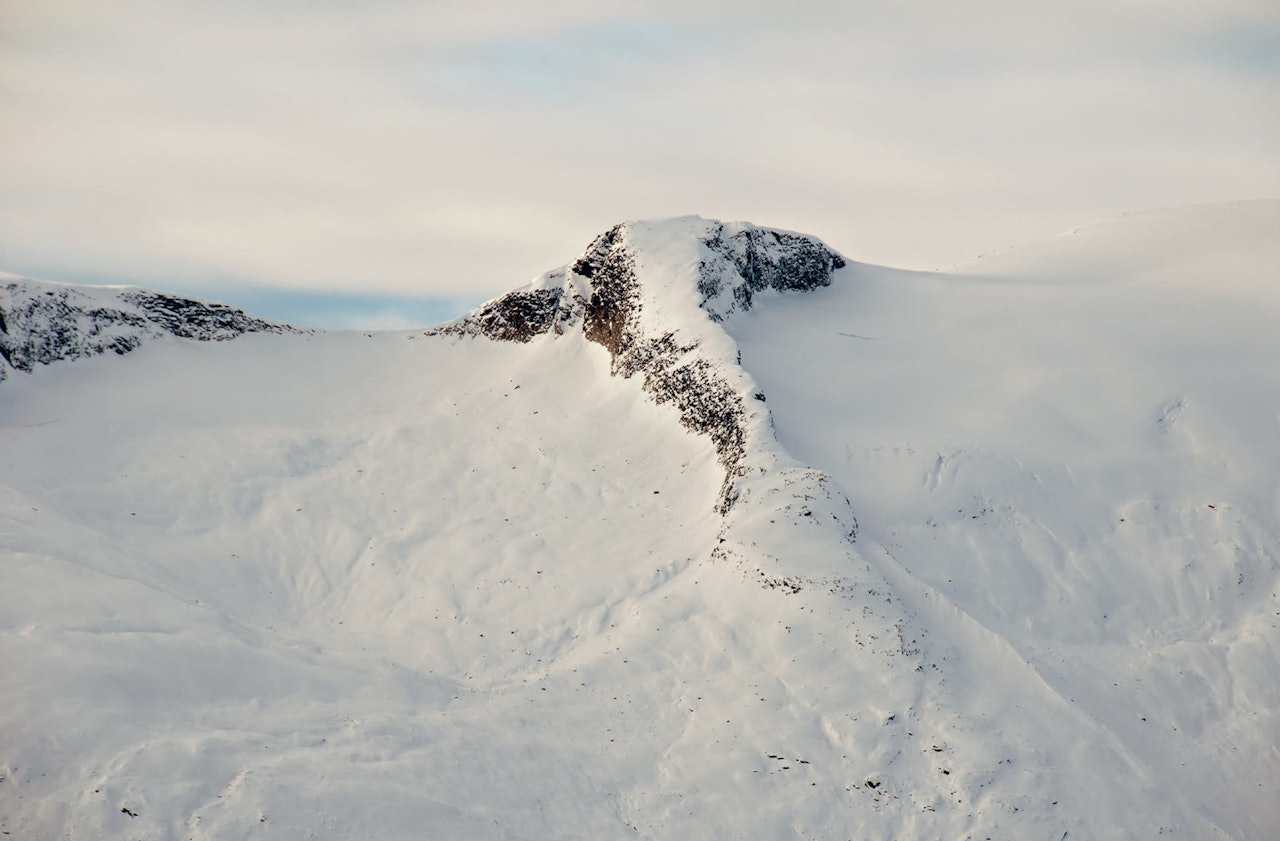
412, 585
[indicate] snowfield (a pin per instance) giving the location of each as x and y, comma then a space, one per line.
711, 533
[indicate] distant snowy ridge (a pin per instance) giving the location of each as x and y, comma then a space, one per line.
41, 323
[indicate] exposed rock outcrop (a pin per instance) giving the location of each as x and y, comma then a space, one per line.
750, 260
42, 323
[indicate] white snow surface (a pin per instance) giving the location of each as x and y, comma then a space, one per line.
396, 585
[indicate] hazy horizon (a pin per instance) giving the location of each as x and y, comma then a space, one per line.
392, 151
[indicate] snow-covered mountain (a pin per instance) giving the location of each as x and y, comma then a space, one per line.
710, 533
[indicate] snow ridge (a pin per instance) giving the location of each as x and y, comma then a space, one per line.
681, 359
42, 323
658, 296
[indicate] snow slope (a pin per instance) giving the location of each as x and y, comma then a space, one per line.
1076, 447
581, 564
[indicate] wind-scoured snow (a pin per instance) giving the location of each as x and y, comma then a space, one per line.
710, 533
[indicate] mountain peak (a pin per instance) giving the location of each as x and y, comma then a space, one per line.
653, 293
725, 265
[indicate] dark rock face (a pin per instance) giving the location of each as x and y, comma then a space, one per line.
517, 316
755, 259
615, 293
598, 253
44, 323
198, 320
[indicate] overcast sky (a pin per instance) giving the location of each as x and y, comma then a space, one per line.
453, 150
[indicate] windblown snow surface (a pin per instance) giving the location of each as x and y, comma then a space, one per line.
710, 534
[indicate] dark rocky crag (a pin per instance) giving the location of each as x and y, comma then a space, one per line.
755, 259
42, 323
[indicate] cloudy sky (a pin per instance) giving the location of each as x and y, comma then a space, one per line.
386, 162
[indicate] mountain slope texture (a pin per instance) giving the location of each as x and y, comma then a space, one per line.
711, 533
